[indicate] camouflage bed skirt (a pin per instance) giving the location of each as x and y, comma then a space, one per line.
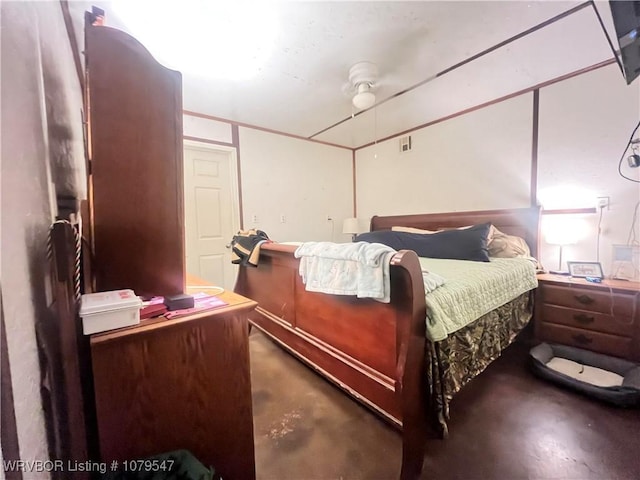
464, 354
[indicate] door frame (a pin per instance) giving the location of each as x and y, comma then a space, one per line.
235, 188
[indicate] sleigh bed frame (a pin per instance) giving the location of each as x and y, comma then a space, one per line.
374, 351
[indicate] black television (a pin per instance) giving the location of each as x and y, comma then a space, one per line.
626, 20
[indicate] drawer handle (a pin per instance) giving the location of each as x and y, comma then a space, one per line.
582, 339
584, 299
583, 319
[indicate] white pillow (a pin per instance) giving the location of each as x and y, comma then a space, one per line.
412, 230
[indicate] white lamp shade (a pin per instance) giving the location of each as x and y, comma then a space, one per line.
364, 100
350, 225
563, 230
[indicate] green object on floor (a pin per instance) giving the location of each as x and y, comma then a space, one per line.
176, 465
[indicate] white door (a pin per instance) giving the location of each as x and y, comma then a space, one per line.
211, 212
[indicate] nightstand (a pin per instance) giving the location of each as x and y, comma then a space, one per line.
602, 317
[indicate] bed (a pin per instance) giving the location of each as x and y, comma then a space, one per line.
377, 352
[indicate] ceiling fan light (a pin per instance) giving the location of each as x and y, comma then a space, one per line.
364, 100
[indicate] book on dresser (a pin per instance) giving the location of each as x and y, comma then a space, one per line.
601, 317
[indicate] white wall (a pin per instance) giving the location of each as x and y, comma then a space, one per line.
304, 181
41, 142
25, 214
585, 123
477, 161
482, 160
193, 126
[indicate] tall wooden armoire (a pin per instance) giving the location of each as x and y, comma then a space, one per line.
135, 173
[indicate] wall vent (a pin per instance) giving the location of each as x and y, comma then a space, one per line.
405, 144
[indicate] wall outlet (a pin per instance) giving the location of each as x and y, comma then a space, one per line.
603, 202
283, 219
329, 218
254, 218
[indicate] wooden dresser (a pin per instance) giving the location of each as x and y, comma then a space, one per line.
135, 184
184, 383
602, 317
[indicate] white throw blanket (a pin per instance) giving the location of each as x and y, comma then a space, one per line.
359, 268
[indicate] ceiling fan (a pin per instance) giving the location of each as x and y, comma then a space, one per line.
362, 83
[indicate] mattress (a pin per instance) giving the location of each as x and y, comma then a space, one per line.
473, 289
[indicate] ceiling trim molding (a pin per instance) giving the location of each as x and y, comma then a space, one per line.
464, 62
534, 147
262, 129
494, 101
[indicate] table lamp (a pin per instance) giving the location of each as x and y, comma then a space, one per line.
563, 232
350, 226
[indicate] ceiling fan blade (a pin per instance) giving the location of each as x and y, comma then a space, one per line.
348, 90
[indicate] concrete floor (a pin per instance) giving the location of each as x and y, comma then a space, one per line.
506, 424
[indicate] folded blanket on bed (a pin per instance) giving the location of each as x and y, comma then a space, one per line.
360, 268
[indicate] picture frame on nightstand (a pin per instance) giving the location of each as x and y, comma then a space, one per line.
585, 269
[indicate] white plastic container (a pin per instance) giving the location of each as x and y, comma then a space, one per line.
108, 310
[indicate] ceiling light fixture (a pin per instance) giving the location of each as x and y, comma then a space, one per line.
364, 98
362, 77
214, 39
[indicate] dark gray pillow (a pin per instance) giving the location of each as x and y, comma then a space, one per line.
466, 244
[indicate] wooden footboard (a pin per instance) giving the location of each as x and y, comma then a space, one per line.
374, 351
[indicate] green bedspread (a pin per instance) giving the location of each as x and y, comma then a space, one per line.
472, 289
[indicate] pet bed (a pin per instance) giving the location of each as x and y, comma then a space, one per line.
606, 378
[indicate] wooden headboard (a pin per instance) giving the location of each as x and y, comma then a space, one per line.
523, 222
